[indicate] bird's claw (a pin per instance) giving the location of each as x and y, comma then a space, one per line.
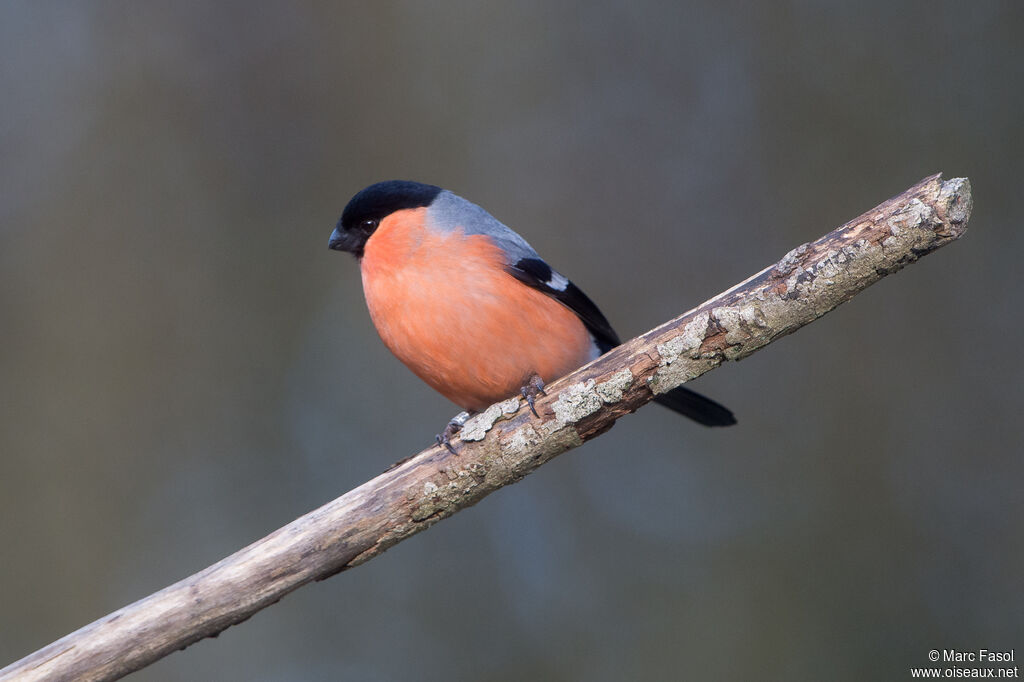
533, 388
454, 425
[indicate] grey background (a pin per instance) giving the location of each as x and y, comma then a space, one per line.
184, 366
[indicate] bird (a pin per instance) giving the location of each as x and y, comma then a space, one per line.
470, 307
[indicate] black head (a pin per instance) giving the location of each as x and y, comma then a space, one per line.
368, 207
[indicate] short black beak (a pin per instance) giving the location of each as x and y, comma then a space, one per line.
337, 241
351, 241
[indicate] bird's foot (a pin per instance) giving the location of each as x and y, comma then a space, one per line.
454, 426
533, 388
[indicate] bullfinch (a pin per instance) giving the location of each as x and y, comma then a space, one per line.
469, 306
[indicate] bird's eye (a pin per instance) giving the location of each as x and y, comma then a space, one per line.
368, 225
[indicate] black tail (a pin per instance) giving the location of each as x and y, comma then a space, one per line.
695, 406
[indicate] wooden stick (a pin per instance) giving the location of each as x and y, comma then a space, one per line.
506, 442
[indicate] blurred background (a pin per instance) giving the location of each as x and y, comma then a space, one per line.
185, 367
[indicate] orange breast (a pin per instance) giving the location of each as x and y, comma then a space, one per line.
444, 305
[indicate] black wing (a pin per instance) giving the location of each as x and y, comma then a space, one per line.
535, 273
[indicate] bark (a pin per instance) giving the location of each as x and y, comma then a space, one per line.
506, 442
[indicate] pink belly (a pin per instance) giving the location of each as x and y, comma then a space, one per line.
444, 305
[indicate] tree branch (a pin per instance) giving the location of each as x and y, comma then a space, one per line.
505, 443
